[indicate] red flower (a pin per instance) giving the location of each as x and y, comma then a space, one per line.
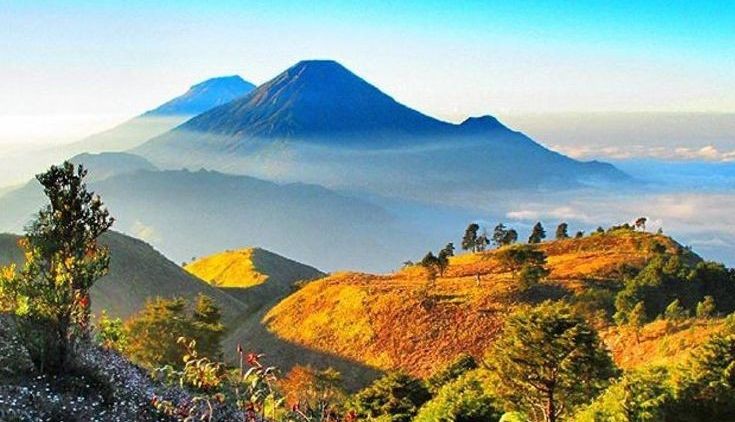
252, 359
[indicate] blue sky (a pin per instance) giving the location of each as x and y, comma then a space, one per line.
71, 67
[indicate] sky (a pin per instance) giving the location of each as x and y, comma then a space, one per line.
71, 68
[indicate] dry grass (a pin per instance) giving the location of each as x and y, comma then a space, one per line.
403, 321
660, 342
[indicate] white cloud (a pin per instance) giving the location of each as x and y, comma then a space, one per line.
706, 153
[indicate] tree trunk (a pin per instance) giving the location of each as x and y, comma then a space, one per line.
550, 413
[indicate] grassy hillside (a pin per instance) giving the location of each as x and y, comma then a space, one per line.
137, 272
403, 321
253, 275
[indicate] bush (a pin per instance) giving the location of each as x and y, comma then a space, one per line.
152, 333
465, 399
459, 366
645, 396
396, 395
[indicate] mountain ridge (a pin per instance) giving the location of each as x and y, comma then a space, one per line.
320, 123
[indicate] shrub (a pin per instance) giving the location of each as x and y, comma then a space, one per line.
459, 366
644, 396
466, 399
153, 332
396, 395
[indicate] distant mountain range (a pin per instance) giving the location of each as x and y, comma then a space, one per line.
318, 122
198, 99
188, 214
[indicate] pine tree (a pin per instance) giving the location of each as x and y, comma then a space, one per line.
538, 234
549, 359
469, 241
562, 231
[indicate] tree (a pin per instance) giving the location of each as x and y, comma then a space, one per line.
206, 321
675, 311
63, 261
442, 258
538, 234
316, 393
153, 332
467, 398
459, 366
644, 395
579, 234
562, 231
548, 361
640, 223
706, 308
430, 263
396, 395
503, 236
530, 275
526, 263
707, 388
637, 318
469, 241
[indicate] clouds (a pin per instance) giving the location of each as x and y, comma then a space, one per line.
702, 220
705, 153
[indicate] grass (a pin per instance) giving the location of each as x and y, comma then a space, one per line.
402, 321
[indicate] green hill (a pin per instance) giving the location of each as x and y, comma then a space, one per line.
137, 272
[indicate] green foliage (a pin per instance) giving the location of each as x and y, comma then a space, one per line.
472, 241
459, 366
706, 390
152, 334
675, 311
62, 262
596, 304
667, 278
706, 308
526, 263
538, 234
503, 236
531, 275
579, 234
396, 395
562, 231
548, 358
209, 331
466, 399
646, 396
110, 333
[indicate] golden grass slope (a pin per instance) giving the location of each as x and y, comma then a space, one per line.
401, 321
249, 267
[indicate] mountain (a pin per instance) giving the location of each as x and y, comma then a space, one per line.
137, 273
253, 275
204, 96
401, 321
107, 164
187, 214
318, 122
201, 97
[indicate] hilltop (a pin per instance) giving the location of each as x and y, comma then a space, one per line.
402, 321
253, 275
137, 272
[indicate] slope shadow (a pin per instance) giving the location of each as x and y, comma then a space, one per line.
252, 334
